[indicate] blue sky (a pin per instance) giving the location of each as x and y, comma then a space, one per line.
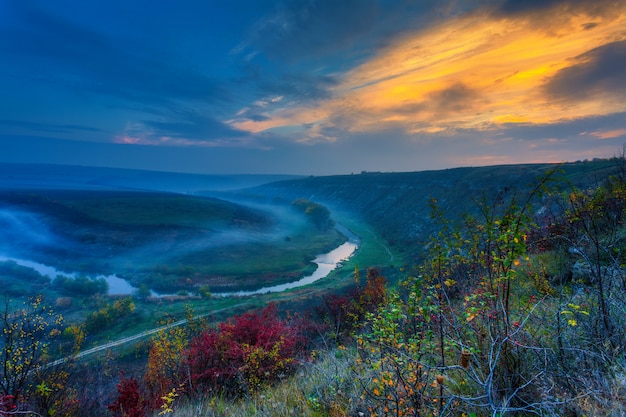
311, 86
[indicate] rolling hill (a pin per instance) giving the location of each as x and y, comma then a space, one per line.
397, 204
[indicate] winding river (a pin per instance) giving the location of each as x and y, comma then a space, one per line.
326, 263
117, 285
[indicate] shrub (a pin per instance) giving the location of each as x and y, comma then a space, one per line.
345, 313
81, 285
131, 400
8, 405
25, 336
239, 356
107, 315
164, 363
457, 338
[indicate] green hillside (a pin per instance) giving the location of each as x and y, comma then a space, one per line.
516, 311
397, 204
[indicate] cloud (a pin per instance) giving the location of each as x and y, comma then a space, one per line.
308, 30
373, 80
291, 82
566, 128
257, 117
301, 87
192, 125
598, 72
516, 8
185, 128
455, 98
300, 49
609, 134
349, 30
526, 6
480, 71
328, 36
137, 78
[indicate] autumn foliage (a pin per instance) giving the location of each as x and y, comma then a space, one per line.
164, 368
131, 400
515, 310
8, 405
240, 355
344, 313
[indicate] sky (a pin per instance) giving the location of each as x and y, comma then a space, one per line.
311, 87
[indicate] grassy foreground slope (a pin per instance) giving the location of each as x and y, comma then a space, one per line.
520, 313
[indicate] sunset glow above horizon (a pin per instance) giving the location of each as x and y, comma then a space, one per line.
317, 87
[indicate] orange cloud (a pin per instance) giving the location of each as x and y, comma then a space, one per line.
609, 134
474, 72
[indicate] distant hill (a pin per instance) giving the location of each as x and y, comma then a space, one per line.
75, 226
47, 176
397, 204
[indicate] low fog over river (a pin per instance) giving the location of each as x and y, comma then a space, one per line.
326, 263
117, 285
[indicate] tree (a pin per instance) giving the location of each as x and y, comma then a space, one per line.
455, 338
143, 292
205, 292
585, 230
24, 341
316, 213
30, 381
594, 232
346, 313
165, 362
108, 314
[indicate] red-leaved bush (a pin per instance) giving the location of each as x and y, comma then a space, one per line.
8, 405
240, 355
131, 400
345, 313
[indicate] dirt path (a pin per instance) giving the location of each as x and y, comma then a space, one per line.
138, 336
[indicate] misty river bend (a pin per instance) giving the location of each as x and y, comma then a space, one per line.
117, 285
326, 263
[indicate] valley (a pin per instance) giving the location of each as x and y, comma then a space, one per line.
168, 251
220, 240
125, 267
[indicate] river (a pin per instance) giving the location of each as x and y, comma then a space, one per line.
326, 263
117, 285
